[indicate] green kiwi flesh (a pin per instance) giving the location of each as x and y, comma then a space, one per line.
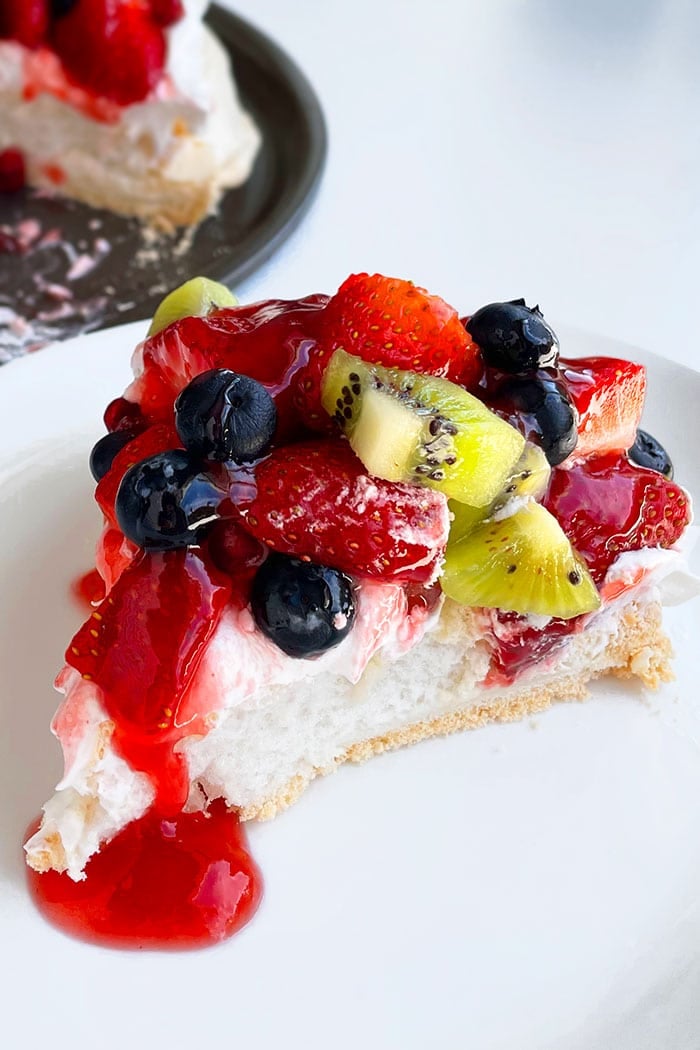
421, 429
195, 298
528, 479
522, 563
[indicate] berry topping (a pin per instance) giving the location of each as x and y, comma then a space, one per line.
388, 322
514, 337
142, 647
13, 175
115, 50
609, 396
607, 505
102, 455
26, 21
166, 501
648, 452
315, 501
158, 438
304, 608
195, 298
267, 341
225, 416
233, 550
542, 410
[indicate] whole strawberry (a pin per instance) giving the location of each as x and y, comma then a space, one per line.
114, 49
315, 501
389, 322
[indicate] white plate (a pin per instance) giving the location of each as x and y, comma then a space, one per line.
527, 887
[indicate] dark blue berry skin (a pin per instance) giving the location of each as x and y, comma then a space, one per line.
224, 416
514, 337
304, 608
102, 455
648, 452
167, 501
543, 411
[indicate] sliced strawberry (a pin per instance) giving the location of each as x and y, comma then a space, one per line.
158, 438
142, 648
315, 500
267, 341
607, 505
390, 322
609, 396
26, 21
114, 49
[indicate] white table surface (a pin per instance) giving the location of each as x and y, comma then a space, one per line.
489, 149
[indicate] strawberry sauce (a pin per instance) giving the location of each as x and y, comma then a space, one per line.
187, 882
89, 589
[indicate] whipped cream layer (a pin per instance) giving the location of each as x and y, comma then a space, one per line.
190, 131
100, 793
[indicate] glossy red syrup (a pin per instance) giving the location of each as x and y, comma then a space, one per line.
607, 505
89, 589
187, 882
517, 645
141, 648
268, 341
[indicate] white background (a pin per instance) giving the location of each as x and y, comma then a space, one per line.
489, 149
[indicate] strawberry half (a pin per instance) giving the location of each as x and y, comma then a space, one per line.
609, 396
314, 500
26, 21
607, 505
389, 322
114, 49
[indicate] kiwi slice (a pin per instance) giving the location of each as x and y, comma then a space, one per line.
528, 479
195, 298
522, 563
421, 429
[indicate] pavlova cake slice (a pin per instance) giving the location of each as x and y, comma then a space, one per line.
124, 104
332, 527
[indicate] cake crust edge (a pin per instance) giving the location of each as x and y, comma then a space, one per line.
641, 650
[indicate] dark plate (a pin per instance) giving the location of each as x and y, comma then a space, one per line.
41, 298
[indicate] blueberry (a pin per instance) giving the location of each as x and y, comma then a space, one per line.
514, 337
545, 413
225, 416
166, 501
102, 455
648, 452
304, 608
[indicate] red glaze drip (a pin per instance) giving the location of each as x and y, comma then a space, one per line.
142, 648
89, 589
183, 883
